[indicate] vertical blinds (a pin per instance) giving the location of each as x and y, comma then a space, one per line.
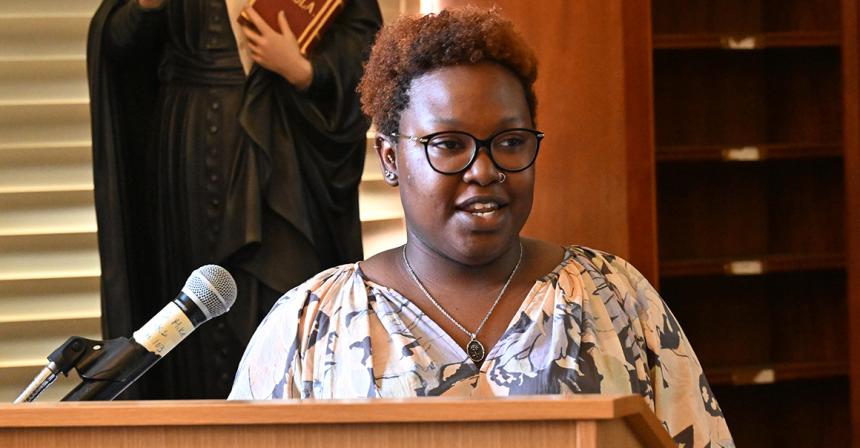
49, 265
49, 268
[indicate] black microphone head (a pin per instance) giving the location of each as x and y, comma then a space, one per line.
212, 288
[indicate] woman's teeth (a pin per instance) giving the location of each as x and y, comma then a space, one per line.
483, 208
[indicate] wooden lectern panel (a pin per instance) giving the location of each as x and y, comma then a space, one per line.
368, 435
580, 421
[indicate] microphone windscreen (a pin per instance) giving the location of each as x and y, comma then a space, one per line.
213, 288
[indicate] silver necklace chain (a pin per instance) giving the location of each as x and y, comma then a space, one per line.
472, 336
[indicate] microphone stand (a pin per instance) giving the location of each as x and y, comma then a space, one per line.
106, 368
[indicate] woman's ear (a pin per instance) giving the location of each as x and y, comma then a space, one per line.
388, 159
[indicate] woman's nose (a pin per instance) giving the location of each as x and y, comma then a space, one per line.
482, 171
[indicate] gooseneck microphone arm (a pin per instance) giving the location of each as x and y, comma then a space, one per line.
108, 367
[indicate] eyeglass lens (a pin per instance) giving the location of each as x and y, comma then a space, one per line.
451, 152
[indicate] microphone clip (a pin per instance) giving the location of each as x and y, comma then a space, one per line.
102, 365
76, 353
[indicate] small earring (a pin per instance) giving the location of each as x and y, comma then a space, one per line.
502, 177
390, 159
390, 175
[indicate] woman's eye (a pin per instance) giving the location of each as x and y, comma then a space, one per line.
511, 142
447, 144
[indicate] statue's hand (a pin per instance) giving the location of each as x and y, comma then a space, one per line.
278, 52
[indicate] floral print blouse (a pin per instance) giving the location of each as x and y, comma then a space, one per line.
594, 325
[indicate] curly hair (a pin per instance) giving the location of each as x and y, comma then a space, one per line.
413, 46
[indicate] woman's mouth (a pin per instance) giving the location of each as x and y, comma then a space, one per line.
482, 208
483, 213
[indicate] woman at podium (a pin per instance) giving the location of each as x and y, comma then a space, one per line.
468, 307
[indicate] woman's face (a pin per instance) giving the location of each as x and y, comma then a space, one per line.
469, 217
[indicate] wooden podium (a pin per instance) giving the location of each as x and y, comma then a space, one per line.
545, 421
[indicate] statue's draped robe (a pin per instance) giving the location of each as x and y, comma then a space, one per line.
196, 163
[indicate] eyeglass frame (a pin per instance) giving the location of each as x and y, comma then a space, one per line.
479, 143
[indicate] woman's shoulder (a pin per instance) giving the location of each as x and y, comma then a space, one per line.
328, 276
596, 263
321, 286
619, 286
600, 259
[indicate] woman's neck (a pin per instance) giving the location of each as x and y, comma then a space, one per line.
439, 271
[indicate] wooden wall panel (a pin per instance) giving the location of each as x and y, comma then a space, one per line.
595, 171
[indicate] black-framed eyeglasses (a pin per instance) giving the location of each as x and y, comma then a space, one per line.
452, 152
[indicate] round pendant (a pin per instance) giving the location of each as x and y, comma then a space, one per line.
475, 350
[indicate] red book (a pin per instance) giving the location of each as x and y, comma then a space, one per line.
307, 18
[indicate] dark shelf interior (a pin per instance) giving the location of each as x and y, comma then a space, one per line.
743, 322
741, 98
744, 17
811, 413
782, 212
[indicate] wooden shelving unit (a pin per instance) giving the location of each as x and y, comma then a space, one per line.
750, 145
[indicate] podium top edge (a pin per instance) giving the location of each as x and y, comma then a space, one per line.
374, 410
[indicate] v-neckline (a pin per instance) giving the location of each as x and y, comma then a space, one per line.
435, 326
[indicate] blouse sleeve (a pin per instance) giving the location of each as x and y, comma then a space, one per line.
268, 367
683, 400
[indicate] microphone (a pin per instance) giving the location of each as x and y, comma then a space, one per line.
107, 368
209, 292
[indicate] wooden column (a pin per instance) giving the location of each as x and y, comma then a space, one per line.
851, 80
595, 183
